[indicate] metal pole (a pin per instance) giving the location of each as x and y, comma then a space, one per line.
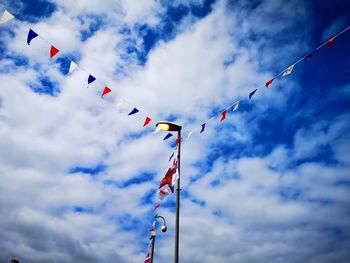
153, 241
177, 217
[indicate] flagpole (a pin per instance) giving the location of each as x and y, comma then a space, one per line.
177, 217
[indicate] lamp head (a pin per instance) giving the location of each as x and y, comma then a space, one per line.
168, 126
164, 228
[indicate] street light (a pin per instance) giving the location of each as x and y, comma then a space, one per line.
153, 233
170, 126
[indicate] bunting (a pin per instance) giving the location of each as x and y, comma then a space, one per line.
6, 16
236, 105
105, 91
189, 135
134, 111
156, 206
309, 55
267, 84
252, 93
168, 136
31, 36
203, 128
91, 79
288, 71
72, 67
223, 117
331, 41
147, 121
53, 52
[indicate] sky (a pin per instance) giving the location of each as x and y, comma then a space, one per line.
79, 176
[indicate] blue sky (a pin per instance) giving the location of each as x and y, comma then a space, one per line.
79, 176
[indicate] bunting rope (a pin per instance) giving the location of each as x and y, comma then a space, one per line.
7, 16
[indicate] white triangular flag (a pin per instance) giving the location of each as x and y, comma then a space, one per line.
7, 16
288, 71
72, 67
120, 103
236, 105
157, 129
189, 135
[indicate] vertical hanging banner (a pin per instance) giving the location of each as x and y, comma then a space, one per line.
31, 36
72, 67
6, 16
105, 91
53, 52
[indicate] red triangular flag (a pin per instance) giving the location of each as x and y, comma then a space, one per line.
269, 83
330, 42
147, 121
178, 140
156, 206
53, 51
223, 115
105, 91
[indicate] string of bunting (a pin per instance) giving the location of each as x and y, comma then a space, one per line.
7, 16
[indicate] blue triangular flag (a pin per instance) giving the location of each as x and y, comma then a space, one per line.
31, 36
309, 55
203, 127
171, 156
252, 93
91, 79
167, 136
133, 111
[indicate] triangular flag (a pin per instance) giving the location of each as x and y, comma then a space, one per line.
147, 121
53, 51
203, 127
288, 71
236, 105
309, 55
156, 206
31, 36
158, 129
120, 103
167, 136
7, 16
189, 135
171, 157
267, 84
72, 67
223, 115
105, 91
91, 79
178, 140
252, 93
331, 41
134, 110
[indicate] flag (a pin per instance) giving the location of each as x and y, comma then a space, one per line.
53, 51
309, 55
203, 128
171, 157
147, 121
223, 117
267, 84
167, 136
148, 258
288, 71
31, 36
252, 93
105, 91
331, 41
120, 103
7, 16
178, 140
72, 67
91, 79
167, 183
134, 111
157, 129
189, 135
236, 105
156, 206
